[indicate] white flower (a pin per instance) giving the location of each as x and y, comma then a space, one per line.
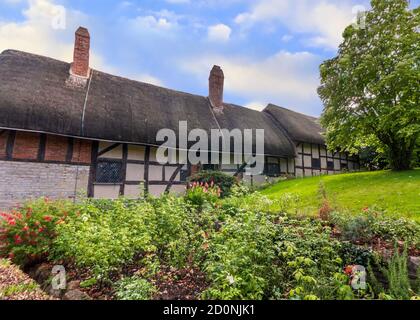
231, 279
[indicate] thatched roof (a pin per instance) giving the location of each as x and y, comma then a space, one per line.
299, 127
35, 96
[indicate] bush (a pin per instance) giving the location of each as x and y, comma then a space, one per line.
105, 236
134, 288
175, 230
198, 194
240, 257
257, 255
27, 234
220, 179
371, 223
310, 266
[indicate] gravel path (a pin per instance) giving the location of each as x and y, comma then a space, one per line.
16, 285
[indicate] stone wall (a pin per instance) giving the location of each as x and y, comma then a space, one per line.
20, 181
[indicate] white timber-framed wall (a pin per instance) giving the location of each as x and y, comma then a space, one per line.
129, 170
315, 159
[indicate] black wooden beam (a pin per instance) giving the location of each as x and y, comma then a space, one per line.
42, 145
70, 147
124, 168
146, 170
93, 167
173, 176
240, 169
10, 144
109, 148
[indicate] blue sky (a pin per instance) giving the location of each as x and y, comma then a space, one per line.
270, 50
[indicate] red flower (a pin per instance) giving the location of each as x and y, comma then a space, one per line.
47, 218
12, 222
40, 229
348, 270
18, 239
25, 228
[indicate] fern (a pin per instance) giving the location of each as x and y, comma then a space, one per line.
397, 275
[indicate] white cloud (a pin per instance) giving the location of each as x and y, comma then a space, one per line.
323, 20
36, 34
147, 78
219, 32
286, 38
156, 21
152, 22
289, 79
256, 105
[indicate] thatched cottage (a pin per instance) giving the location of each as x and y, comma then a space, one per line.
65, 128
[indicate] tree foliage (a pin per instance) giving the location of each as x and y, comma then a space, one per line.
371, 88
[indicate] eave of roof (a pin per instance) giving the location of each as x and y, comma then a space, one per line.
34, 96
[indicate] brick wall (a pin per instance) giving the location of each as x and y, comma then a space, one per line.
82, 150
20, 181
49, 148
26, 145
56, 148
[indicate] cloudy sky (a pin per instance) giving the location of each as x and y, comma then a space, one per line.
270, 50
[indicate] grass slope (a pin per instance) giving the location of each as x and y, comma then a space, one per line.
397, 193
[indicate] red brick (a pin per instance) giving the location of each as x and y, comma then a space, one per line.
56, 148
82, 150
26, 145
80, 65
216, 83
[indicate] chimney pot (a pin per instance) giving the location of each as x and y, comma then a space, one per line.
216, 83
80, 66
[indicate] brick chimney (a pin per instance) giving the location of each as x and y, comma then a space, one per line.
80, 65
216, 82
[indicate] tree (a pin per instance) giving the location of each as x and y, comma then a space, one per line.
371, 89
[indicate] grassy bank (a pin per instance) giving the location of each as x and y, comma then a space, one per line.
396, 193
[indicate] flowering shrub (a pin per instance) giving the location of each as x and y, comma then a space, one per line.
26, 234
221, 179
199, 193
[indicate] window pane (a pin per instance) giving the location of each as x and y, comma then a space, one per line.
109, 172
272, 169
330, 165
316, 163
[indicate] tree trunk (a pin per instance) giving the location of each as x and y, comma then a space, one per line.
400, 155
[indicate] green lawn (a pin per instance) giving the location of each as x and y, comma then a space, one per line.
397, 193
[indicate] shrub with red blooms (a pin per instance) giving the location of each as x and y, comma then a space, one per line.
26, 233
218, 178
200, 193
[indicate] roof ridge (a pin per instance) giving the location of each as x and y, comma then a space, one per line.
290, 110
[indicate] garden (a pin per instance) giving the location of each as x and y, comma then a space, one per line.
221, 240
